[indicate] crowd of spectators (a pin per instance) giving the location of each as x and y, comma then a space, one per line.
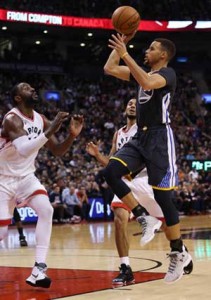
102, 103
159, 10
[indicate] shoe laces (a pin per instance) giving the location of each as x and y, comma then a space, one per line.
41, 267
173, 256
143, 222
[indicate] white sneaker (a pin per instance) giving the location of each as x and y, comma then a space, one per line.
149, 226
38, 277
178, 261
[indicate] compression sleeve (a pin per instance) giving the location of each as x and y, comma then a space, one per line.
25, 147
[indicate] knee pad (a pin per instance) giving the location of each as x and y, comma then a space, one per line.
165, 200
113, 174
114, 170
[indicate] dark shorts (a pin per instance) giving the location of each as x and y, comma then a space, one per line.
155, 149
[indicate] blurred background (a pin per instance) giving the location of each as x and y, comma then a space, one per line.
60, 48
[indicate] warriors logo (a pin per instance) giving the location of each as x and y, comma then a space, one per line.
144, 95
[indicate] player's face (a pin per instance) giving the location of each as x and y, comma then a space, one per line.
153, 54
131, 109
28, 94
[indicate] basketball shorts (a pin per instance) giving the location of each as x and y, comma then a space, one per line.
143, 193
155, 149
16, 192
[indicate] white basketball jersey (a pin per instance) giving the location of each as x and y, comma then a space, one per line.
11, 162
123, 135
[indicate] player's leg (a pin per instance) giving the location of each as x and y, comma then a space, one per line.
162, 172
152, 221
127, 161
6, 211
32, 193
121, 217
18, 223
41, 205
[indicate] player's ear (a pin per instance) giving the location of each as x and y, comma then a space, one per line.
17, 99
164, 55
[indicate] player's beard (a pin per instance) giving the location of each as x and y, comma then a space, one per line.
131, 117
31, 101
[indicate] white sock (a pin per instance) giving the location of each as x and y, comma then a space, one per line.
41, 205
125, 260
41, 254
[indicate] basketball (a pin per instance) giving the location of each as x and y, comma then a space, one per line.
125, 19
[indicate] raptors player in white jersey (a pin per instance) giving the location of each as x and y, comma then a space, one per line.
23, 133
142, 191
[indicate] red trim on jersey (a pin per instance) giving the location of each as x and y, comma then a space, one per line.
38, 192
5, 222
120, 205
31, 119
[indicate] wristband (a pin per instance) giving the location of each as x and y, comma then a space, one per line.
123, 55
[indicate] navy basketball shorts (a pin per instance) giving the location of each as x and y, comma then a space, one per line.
155, 148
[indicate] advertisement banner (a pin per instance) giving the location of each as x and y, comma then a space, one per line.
101, 23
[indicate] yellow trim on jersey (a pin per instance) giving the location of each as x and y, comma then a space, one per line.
163, 189
118, 159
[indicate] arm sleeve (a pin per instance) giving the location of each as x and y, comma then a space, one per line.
25, 147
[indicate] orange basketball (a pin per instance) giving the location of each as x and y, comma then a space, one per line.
125, 19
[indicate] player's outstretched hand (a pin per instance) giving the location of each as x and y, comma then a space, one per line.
92, 149
56, 123
76, 125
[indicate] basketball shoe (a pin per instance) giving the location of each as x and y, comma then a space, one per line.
22, 240
149, 226
179, 261
125, 276
38, 278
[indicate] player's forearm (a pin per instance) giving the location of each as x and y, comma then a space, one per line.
138, 73
61, 148
112, 62
102, 159
26, 147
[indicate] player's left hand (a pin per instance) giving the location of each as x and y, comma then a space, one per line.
76, 125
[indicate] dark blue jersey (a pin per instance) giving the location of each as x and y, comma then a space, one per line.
153, 106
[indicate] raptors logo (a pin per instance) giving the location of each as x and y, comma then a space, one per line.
144, 96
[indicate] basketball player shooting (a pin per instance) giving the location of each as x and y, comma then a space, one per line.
153, 144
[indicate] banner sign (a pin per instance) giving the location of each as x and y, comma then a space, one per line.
28, 215
201, 165
101, 23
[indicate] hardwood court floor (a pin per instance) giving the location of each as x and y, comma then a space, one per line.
83, 260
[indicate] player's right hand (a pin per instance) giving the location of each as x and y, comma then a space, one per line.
92, 149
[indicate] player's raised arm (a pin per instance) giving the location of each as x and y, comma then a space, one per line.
93, 149
75, 127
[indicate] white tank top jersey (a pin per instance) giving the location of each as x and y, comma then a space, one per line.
11, 162
124, 135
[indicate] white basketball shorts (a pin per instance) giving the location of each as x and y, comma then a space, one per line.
143, 193
16, 192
